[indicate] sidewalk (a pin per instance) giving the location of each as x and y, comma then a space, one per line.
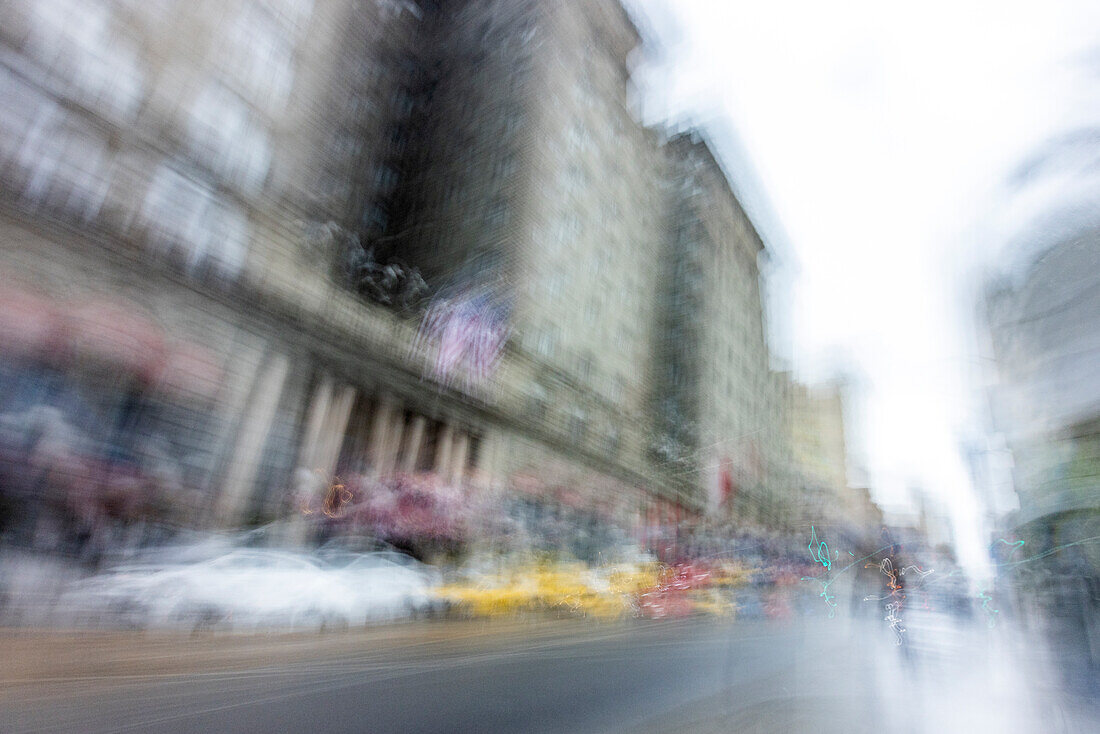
35, 657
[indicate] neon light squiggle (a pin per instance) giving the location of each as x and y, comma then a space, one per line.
985, 598
821, 554
893, 608
825, 582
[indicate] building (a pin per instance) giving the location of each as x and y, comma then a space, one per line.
818, 437
716, 401
1047, 394
818, 426
215, 218
164, 170
538, 185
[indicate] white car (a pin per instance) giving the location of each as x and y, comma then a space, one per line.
253, 589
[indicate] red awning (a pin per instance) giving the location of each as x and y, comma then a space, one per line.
570, 497
191, 370
112, 333
528, 484
30, 325
119, 336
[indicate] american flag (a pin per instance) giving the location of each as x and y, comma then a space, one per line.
469, 332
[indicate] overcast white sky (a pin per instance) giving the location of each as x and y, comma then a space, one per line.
881, 135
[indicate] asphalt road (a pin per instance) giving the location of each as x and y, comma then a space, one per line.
817, 675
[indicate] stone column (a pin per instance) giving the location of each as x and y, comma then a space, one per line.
486, 470
315, 423
335, 425
458, 457
232, 403
443, 450
414, 441
393, 440
251, 437
381, 427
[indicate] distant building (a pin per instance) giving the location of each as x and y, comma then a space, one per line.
818, 437
820, 461
1047, 398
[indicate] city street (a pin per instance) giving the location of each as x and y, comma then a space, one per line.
843, 675
539, 366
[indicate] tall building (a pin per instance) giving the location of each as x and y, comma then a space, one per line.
820, 463
715, 395
538, 184
818, 436
213, 217
1047, 396
162, 167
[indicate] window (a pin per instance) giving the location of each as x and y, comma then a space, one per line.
259, 55
497, 213
603, 260
577, 178
376, 218
182, 216
399, 138
513, 121
526, 32
612, 212
578, 425
385, 179
505, 167
579, 138
224, 137
402, 102
345, 145
675, 375
584, 366
592, 313
618, 339
547, 341
617, 389
569, 227
450, 193
613, 439
77, 42
63, 165
555, 284
538, 401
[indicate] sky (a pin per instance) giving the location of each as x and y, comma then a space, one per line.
873, 143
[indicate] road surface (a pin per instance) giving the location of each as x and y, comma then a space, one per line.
819, 675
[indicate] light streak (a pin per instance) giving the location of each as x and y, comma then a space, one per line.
821, 555
829, 599
336, 499
886, 566
1050, 552
1014, 546
826, 582
892, 607
985, 598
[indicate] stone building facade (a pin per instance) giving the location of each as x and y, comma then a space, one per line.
718, 404
537, 182
164, 169
196, 196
